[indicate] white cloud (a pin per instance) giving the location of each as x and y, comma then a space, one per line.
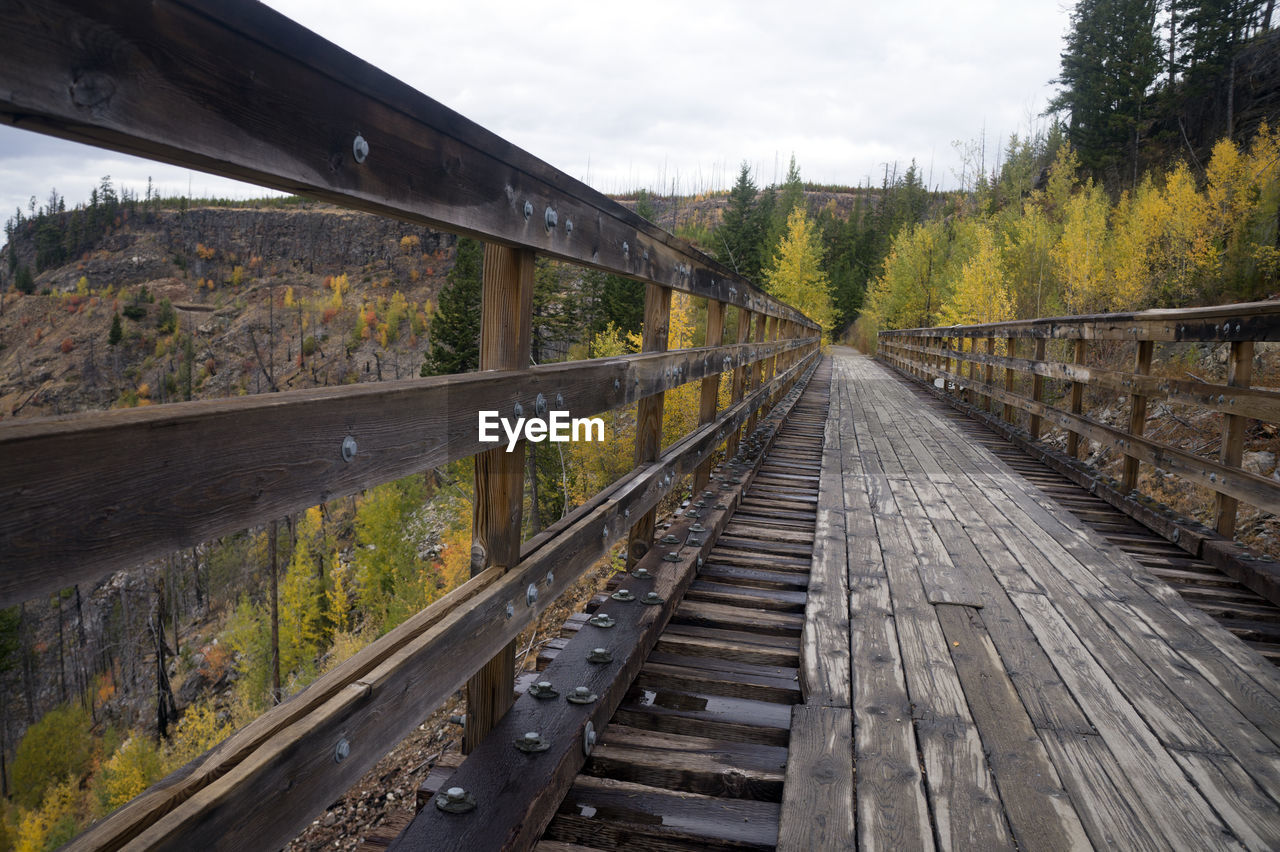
625, 95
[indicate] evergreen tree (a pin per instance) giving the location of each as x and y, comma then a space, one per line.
1110, 63
117, 333
738, 241
455, 326
790, 197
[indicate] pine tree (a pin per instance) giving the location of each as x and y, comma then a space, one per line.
117, 333
737, 241
455, 326
1111, 60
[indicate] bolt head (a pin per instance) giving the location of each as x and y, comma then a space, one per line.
531, 594
540, 405
581, 691
568, 227
341, 751
360, 148
455, 794
599, 650
528, 209
531, 737
348, 448
519, 410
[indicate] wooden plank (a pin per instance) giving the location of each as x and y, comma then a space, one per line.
817, 802
267, 781
716, 717
693, 764
739, 383
157, 83
1077, 401
657, 317
1244, 321
1251, 813
758, 620
619, 815
1038, 808
1184, 819
497, 510
219, 466
1240, 374
710, 386
718, 677
1137, 415
1037, 389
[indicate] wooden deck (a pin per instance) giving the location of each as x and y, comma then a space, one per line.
1011, 678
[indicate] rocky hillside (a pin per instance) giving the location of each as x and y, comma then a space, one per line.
215, 301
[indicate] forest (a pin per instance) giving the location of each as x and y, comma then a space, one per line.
1153, 182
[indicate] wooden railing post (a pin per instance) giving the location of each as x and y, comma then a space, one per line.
990, 374
1241, 374
505, 315
739, 378
973, 370
710, 388
657, 320
1037, 388
1137, 414
1077, 402
1010, 351
757, 369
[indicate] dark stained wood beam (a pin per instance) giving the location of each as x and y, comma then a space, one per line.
233, 88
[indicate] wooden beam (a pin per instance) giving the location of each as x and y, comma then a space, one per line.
185, 473
1037, 389
739, 376
1077, 402
497, 513
710, 386
1010, 349
817, 797
264, 783
1241, 373
1137, 414
657, 319
757, 368
991, 351
295, 112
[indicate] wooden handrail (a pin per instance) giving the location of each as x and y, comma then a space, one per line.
914, 350
183, 473
233, 88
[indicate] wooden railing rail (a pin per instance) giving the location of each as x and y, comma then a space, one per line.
926, 354
233, 88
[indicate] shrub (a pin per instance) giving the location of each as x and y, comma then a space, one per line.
132, 769
57, 746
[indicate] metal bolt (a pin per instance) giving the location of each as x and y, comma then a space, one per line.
532, 742
528, 210
568, 227
617, 384
550, 218
559, 402
543, 690
360, 148
641, 573
540, 405
670, 539
623, 595
599, 656
673, 556
519, 410
348, 448
605, 532
531, 595
697, 528
456, 800
341, 751
511, 609
626, 513
588, 738
581, 695
551, 579
602, 620
626, 249
651, 598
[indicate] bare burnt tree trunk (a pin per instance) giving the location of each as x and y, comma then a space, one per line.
62, 657
195, 580
275, 612
535, 518
166, 707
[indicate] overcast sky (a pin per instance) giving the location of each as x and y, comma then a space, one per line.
623, 96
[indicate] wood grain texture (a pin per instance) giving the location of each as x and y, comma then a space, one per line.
657, 319
157, 81
218, 466
497, 510
1240, 374
817, 801
710, 391
1137, 414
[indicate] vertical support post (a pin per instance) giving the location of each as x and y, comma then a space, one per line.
710, 387
505, 315
990, 373
739, 378
657, 320
1010, 351
1137, 414
1037, 388
757, 369
973, 370
1241, 374
1077, 402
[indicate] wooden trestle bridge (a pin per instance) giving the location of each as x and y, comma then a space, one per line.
892, 615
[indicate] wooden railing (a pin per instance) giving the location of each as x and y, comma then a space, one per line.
938, 356
235, 89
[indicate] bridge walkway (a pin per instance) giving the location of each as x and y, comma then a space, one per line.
1012, 677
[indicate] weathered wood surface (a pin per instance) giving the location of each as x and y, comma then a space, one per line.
236, 89
218, 466
657, 318
1074, 699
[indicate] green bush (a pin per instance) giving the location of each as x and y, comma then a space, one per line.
57, 746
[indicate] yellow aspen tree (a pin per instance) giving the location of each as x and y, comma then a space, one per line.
1080, 255
796, 276
981, 293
